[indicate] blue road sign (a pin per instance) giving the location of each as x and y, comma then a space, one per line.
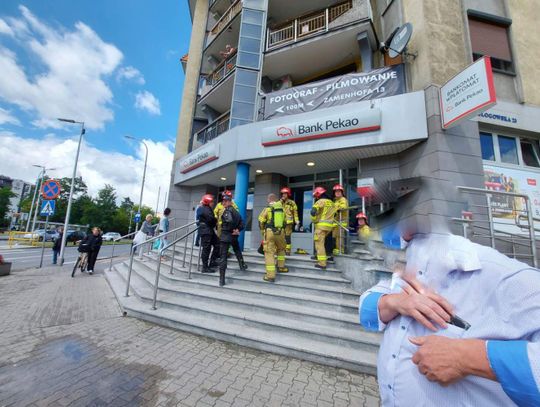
50, 189
47, 208
137, 217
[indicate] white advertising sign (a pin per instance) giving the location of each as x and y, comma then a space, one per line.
467, 94
331, 126
506, 209
199, 157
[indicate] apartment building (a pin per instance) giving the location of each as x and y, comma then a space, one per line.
299, 93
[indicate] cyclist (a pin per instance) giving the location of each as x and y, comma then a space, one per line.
93, 242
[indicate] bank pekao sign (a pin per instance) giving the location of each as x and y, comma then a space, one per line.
331, 126
199, 157
468, 93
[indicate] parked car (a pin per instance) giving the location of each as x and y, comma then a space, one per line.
74, 236
38, 234
110, 236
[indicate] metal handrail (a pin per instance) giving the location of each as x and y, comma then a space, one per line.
146, 242
160, 253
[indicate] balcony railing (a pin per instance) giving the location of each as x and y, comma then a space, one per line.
225, 19
308, 25
214, 129
217, 75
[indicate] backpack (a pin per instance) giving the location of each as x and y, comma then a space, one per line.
278, 215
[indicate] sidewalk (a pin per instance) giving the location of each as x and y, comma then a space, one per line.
64, 342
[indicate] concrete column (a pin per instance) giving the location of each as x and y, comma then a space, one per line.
241, 192
366, 53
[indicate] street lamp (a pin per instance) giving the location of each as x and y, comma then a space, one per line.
70, 198
35, 201
144, 174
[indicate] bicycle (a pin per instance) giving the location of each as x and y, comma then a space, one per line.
82, 260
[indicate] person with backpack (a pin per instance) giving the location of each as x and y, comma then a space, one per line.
231, 226
272, 221
209, 241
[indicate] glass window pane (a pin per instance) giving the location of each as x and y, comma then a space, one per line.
530, 153
251, 30
249, 60
252, 17
508, 148
250, 45
238, 122
256, 4
245, 77
241, 110
245, 93
486, 144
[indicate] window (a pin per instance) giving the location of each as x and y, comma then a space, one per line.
508, 149
489, 36
530, 153
486, 144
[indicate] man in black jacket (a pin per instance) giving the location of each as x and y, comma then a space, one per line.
94, 242
231, 225
209, 240
57, 245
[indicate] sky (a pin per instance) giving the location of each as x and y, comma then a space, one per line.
114, 64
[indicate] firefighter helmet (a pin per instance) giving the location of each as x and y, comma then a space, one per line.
338, 187
318, 192
207, 199
286, 190
227, 193
361, 215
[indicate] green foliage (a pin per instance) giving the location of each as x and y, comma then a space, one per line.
5, 196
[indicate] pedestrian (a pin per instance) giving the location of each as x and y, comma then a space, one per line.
291, 216
341, 225
322, 216
364, 231
209, 240
93, 241
163, 228
231, 226
57, 245
273, 221
461, 326
218, 210
148, 230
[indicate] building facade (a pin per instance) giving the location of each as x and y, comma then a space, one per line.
21, 189
300, 94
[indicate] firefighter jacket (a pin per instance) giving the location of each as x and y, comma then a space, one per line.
323, 212
342, 204
291, 211
265, 218
218, 211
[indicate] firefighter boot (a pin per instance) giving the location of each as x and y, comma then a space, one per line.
241, 263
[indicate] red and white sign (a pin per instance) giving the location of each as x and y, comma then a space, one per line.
365, 187
468, 94
336, 125
199, 157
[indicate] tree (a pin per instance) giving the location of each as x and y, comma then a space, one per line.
106, 205
5, 195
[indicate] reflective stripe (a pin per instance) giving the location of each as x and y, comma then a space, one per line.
322, 258
326, 224
270, 268
281, 257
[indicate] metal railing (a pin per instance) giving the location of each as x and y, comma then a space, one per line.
308, 25
213, 130
225, 19
501, 235
135, 246
114, 244
224, 68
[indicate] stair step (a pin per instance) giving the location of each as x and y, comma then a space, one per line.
285, 343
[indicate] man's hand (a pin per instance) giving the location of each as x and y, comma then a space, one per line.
415, 301
446, 361
236, 232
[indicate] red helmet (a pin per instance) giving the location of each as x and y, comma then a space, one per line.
318, 192
228, 193
286, 190
338, 187
207, 199
361, 215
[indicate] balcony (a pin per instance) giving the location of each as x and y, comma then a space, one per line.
218, 75
306, 26
210, 132
224, 21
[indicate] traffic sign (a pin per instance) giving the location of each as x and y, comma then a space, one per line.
47, 208
50, 189
137, 217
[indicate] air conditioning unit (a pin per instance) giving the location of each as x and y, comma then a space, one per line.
266, 84
285, 82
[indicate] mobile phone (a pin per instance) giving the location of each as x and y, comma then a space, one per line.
460, 323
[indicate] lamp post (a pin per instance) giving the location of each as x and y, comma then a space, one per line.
35, 199
144, 174
70, 198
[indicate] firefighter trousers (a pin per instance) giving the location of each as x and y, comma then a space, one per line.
288, 234
320, 236
274, 247
338, 233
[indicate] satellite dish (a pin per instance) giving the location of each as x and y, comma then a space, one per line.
400, 40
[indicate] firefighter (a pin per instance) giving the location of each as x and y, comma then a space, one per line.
272, 220
209, 241
291, 216
322, 216
364, 231
231, 226
342, 218
218, 210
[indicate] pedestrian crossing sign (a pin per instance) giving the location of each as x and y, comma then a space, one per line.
47, 208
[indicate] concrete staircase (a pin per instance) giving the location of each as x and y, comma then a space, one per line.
307, 313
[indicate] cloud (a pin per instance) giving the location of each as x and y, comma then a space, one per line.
7, 118
146, 101
97, 167
131, 74
5, 28
76, 62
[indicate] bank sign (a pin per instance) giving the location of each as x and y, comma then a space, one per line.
335, 125
199, 157
340, 90
467, 94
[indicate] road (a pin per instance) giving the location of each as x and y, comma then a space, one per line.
27, 258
